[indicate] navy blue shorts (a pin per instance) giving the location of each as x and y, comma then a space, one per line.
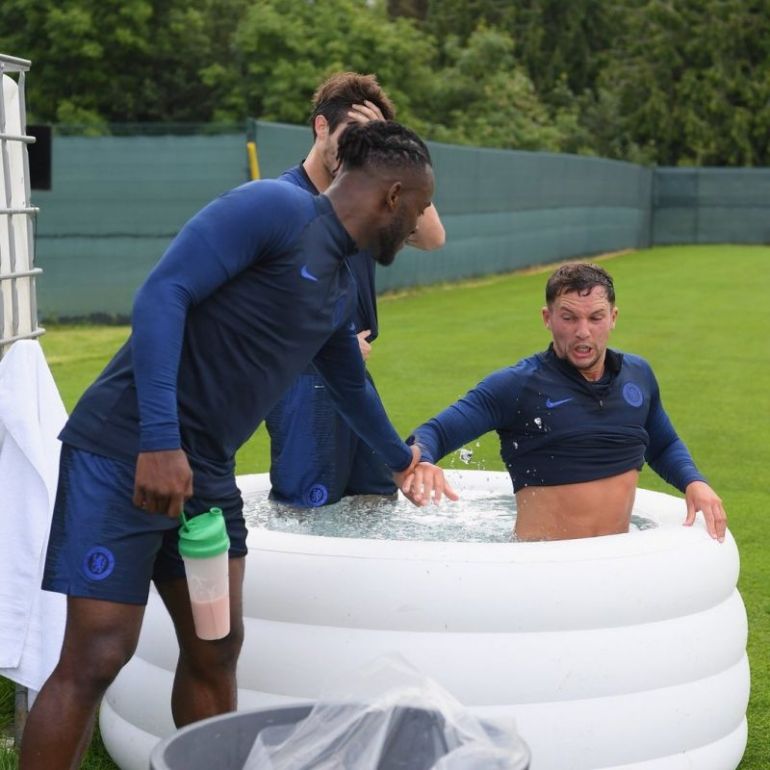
103, 547
315, 456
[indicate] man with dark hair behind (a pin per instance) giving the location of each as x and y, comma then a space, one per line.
576, 423
252, 289
316, 458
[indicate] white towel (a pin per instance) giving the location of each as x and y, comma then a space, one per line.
31, 416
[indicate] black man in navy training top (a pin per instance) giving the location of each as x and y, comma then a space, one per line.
576, 423
315, 456
253, 288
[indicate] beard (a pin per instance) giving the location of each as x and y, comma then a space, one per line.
390, 241
386, 254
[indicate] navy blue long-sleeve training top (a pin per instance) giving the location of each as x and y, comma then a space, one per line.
556, 427
253, 288
361, 264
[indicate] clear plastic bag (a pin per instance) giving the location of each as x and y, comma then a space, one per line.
384, 716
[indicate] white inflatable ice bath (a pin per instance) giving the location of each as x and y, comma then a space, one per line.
626, 651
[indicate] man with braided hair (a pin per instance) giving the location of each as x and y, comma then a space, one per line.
252, 289
315, 456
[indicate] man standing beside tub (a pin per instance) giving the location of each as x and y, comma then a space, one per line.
253, 288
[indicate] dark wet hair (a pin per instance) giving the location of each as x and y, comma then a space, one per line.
338, 93
579, 277
381, 143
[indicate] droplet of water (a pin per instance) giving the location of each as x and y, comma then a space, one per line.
465, 455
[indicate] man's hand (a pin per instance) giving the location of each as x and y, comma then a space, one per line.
427, 482
400, 477
429, 233
701, 497
363, 113
163, 482
365, 346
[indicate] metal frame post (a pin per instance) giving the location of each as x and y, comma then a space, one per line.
16, 272
18, 330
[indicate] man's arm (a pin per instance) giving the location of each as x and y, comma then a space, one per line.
341, 366
429, 233
668, 456
189, 271
481, 410
218, 243
163, 479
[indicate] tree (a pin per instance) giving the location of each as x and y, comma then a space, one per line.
410, 9
96, 61
459, 18
553, 53
689, 79
483, 97
285, 48
561, 44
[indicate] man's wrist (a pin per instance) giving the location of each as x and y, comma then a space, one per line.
160, 441
425, 455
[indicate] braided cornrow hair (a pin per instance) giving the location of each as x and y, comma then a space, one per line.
381, 143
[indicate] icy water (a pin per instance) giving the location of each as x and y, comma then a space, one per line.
479, 518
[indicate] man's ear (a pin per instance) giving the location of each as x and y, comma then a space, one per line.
321, 127
546, 316
394, 193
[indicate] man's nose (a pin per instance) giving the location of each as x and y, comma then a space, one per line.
582, 329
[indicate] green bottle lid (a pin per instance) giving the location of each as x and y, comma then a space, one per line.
204, 535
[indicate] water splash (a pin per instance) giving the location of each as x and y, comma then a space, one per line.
466, 455
475, 518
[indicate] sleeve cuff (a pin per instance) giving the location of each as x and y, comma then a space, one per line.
160, 440
425, 455
404, 466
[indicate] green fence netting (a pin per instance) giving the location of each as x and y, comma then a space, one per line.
711, 205
115, 204
503, 210
118, 200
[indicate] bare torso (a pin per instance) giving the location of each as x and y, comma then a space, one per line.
567, 511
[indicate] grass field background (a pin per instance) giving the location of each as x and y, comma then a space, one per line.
699, 314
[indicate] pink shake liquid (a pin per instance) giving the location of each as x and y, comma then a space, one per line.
212, 618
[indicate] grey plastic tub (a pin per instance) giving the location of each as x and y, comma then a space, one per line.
224, 742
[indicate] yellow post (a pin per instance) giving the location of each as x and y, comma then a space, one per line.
251, 151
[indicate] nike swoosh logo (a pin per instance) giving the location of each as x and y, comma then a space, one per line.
552, 404
305, 273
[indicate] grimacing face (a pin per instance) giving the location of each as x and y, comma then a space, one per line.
415, 197
580, 325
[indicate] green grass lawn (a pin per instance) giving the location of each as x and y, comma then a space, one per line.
700, 315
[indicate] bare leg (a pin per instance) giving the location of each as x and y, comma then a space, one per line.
99, 639
204, 684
